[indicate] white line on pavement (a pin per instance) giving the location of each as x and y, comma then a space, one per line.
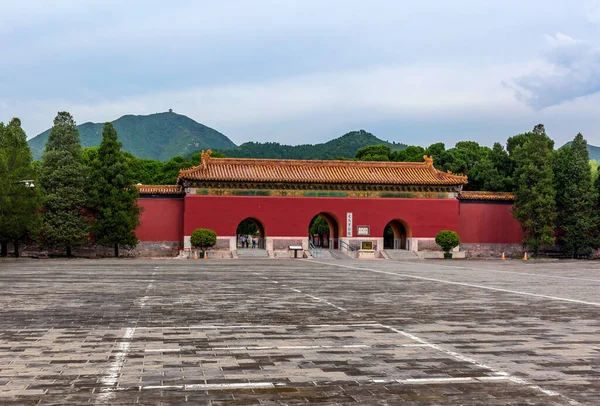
471, 285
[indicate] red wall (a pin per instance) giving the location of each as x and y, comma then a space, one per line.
161, 220
488, 222
291, 216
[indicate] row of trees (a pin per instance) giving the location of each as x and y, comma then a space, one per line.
79, 200
557, 200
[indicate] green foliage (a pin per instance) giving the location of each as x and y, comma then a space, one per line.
447, 239
62, 179
156, 136
342, 147
19, 203
577, 218
247, 227
203, 238
318, 226
535, 207
113, 197
379, 152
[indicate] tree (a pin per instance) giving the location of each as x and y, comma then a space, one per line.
19, 201
62, 179
319, 226
113, 196
374, 153
577, 218
447, 240
535, 207
203, 238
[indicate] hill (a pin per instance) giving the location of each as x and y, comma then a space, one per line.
342, 147
593, 151
157, 136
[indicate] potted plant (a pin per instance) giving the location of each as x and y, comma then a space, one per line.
448, 240
203, 238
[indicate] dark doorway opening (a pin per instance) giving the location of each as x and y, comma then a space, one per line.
250, 233
395, 236
323, 231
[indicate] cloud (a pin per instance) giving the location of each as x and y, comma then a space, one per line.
592, 11
352, 95
570, 69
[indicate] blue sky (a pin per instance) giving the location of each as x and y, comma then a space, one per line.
304, 71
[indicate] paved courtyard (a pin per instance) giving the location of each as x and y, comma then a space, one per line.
249, 332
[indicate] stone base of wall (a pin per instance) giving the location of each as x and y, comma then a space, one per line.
492, 250
143, 249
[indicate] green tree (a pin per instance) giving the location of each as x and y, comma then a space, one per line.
203, 238
374, 153
19, 201
577, 218
319, 226
63, 179
447, 240
411, 153
113, 196
535, 207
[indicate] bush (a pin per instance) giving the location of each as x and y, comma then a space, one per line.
447, 239
203, 238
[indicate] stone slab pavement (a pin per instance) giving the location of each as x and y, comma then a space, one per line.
243, 332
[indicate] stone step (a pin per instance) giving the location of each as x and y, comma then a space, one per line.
337, 254
252, 253
399, 255
322, 254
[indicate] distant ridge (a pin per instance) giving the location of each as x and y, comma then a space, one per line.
344, 147
156, 136
593, 151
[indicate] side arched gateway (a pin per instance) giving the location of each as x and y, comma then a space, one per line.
396, 235
250, 233
323, 231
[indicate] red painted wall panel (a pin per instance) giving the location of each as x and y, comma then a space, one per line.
488, 223
161, 220
290, 216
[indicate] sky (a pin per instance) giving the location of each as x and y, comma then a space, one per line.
307, 71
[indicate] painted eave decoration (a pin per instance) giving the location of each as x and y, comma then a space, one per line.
322, 172
160, 189
498, 196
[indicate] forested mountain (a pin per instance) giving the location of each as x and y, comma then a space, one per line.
157, 136
344, 147
593, 151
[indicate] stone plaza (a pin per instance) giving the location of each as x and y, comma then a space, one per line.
264, 331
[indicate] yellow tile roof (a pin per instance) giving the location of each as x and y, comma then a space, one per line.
160, 189
312, 171
474, 195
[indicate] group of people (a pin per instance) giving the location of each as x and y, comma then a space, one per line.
246, 240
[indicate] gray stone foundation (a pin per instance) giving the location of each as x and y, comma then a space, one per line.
492, 250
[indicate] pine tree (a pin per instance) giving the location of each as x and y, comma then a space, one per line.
19, 202
535, 207
63, 179
113, 195
577, 219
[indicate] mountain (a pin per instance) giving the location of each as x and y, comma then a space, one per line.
593, 151
342, 147
156, 136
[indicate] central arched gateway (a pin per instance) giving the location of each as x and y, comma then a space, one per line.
323, 231
250, 233
396, 235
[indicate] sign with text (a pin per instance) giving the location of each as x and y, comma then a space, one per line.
363, 230
348, 224
366, 245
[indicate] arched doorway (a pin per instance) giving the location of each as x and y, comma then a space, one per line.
250, 233
323, 231
396, 236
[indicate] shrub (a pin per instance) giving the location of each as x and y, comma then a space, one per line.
203, 238
447, 239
